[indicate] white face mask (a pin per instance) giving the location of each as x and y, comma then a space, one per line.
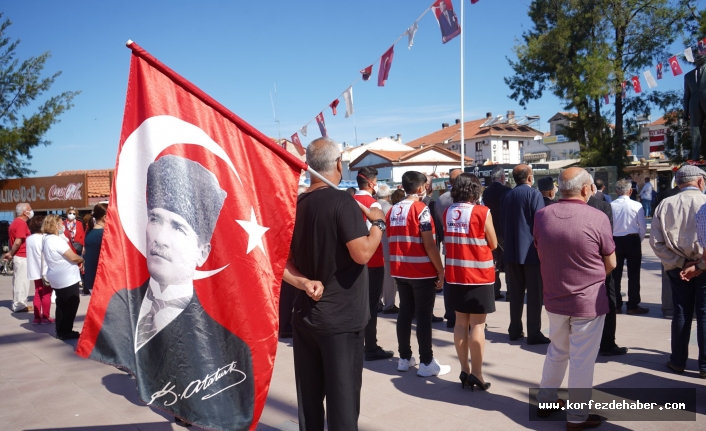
375, 189
30, 215
71, 217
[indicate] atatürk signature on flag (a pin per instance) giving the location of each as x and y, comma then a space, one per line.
198, 385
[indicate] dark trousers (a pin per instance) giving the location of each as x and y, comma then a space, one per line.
286, 305
415, 296
609, 327
628, 248
67, 301
521, 279
375, 279
449, 313
328, 367
689, 297
499, 266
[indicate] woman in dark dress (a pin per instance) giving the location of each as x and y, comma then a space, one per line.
470, 273
94, 238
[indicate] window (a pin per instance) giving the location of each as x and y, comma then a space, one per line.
522, 144
479, 146
479, 151
506, 152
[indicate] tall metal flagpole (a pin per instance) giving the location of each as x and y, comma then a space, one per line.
463, 140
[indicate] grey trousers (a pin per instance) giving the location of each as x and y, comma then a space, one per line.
389, 287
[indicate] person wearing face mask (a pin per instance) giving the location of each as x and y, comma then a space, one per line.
367, 187
548, 189
674, 237
415, 263
94, 239
575, 296
518, 208
73, 230
18, 233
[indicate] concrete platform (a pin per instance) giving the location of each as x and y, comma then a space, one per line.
45, 386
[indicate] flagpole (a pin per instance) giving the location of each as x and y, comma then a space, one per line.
463, 140
321, 177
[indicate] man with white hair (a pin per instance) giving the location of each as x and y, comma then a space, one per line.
18, 233
674, 239
629, 229
574, 291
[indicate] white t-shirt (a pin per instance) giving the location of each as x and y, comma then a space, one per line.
60, 272
34, 257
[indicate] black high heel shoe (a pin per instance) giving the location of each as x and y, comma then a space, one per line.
464, 380
472, 380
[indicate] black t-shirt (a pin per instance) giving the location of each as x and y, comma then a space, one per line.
326, 220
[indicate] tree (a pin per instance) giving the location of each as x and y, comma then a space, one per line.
21, 85
581, 50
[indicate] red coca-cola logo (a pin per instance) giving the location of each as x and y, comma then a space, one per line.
72, 192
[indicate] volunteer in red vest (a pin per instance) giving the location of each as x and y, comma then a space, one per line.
415, 264
367, 185
470, 273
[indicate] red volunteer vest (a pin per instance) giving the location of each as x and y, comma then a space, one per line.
469, 260
408, 258
366, 199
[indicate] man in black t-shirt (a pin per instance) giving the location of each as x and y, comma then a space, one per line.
330, 248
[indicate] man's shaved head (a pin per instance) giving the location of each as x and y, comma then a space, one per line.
521, 173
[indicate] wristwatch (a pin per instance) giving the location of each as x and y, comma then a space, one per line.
380, 223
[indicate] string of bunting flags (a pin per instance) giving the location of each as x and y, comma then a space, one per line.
672, 66
450, 28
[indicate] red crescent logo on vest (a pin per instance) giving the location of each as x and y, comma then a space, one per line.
458, 215
399, 211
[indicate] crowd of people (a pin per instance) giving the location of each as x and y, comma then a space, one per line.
59, 257
344, 249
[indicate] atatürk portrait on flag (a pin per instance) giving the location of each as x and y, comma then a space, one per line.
172, 343
445, 15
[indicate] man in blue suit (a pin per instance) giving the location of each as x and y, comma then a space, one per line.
517, 211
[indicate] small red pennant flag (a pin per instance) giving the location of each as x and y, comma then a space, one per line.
322, 124
297, 143
674, 64
474, 1
385, 66
659, 70
636, 84
606, 99
624, 92
367, 72
333, 106
702, 47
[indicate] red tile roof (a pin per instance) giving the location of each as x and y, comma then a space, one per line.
472, 130
98, 181
401, 157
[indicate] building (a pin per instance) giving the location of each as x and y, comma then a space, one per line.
554, 145
349, 154
500, 139
391, 165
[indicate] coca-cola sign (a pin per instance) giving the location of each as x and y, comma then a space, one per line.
45, 193
72, 192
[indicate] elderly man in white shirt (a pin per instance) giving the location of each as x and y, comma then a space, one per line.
629, 228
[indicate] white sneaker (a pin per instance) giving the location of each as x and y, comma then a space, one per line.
406, 364
433, 369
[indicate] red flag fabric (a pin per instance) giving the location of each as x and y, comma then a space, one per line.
702, 47
446, 18
322, 124
187, 288
659, 70
297, 143
385, 66
606, 99
333, 106
474, 1
674, 64
624, 90
367, 72
636, 84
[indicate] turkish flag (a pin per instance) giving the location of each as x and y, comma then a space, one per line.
322, 124
659, 70
636, 84
297, 143
367, 72
606, 99
474, 1
674, 64
187, 288
702, 47
334, 105
624, 92
385, 66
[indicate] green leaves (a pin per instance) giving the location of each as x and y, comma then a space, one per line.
23, 124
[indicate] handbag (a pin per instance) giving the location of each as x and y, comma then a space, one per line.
45, 281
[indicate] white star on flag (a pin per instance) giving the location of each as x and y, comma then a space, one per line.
255, 232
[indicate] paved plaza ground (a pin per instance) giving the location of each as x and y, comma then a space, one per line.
45, 386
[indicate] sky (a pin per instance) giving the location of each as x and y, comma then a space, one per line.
310, 50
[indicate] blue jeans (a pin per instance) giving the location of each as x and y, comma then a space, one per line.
646, 205
689, 298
